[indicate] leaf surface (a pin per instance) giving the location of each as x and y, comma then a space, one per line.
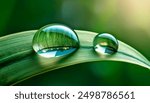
19, 62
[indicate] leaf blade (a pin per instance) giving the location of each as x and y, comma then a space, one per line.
19, 62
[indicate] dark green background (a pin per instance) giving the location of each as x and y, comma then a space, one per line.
127, 20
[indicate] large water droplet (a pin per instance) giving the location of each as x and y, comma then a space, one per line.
105, 44
55, 40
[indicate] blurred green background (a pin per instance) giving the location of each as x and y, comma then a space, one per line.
127, 20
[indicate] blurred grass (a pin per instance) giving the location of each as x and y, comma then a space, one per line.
6, 10
128, 20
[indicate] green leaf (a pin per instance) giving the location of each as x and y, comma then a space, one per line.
19, 62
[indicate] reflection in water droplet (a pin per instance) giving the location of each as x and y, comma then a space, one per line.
105, 44
55, 40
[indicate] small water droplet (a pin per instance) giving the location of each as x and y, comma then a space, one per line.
55, 40
105, 44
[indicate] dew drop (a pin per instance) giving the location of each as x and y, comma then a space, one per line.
105, 44
55, 40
